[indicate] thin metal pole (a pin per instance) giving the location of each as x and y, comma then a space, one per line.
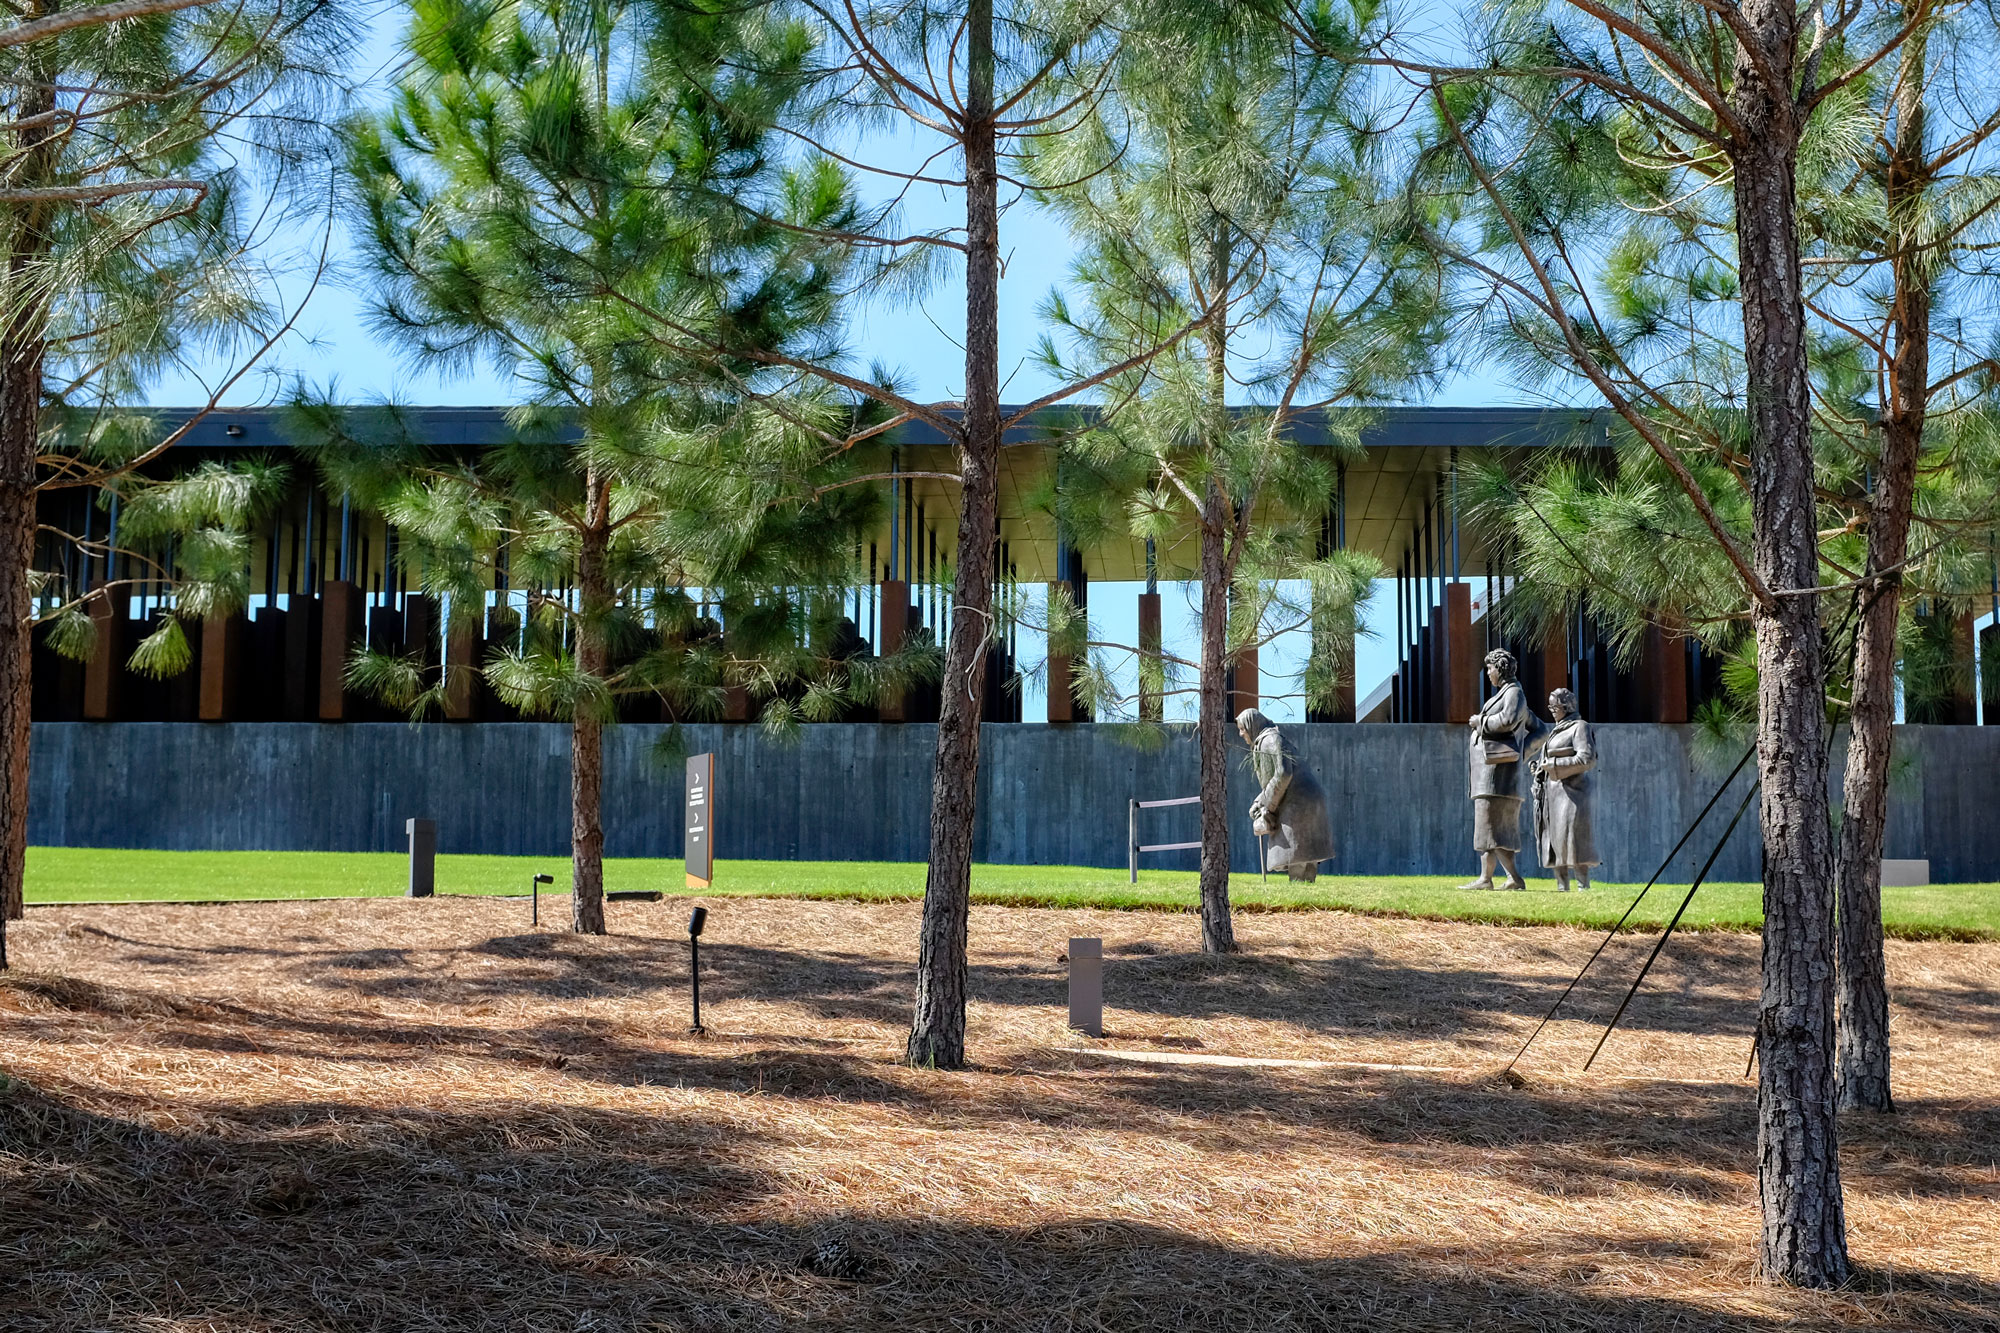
1454, 515
89, 561
1667, 861
1667, 934
1340, 508
1132, 836
694, 973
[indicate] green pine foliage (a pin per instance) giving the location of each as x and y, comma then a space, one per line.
589, 198
1637, 228
155, 168
1230, 203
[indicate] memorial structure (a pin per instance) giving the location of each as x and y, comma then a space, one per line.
327, 574
255, 744
1290, 807
1564, 764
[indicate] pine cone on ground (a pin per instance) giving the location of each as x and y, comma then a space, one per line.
834, 1258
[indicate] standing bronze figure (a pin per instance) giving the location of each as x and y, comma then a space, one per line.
1290, 808
1501, 731
1565, 789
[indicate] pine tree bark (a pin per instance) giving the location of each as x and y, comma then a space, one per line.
1862, 997
1218, 932
586, 745
1218, 527
21, 355
1804, 1236
937, 1026
23, 349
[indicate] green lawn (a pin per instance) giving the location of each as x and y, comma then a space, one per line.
72, 874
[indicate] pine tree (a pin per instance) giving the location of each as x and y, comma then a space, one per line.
1230, 180
132, 133
979, 82
1901, 228
1893, 218
553, 189
1692, 86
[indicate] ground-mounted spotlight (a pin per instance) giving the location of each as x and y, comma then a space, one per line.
696, 920
535, 898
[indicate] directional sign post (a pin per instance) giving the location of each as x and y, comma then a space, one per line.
700, 820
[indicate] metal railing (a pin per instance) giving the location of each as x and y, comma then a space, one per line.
1132, 834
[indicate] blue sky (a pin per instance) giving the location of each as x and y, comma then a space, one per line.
332, 344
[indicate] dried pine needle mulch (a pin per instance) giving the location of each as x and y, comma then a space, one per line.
394, 1115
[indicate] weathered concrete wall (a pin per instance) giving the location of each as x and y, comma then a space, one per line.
1048, 795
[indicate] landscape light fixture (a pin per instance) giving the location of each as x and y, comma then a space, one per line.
696, 920
535, 898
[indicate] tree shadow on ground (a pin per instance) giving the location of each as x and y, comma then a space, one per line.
1356, 993
1702, 985
329, 1215
1567, 1140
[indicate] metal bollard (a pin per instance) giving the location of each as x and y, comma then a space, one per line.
423, 857
1086, 985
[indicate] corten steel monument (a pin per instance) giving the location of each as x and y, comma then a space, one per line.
1565, 789
1501, 732
1290, 807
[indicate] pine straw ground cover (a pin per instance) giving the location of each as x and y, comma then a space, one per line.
405, 1115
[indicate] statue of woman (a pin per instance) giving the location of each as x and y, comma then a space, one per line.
1500, 733
1564, 791
1290, 808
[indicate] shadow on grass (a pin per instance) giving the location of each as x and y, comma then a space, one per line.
329, 1215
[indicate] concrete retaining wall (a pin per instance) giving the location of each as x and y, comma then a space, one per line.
1048, 795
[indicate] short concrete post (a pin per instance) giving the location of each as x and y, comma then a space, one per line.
423, 857
1086, 985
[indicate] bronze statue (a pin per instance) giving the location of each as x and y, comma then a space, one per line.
1290, 808
1500, 734
1564, 791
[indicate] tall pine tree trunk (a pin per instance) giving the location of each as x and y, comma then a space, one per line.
1863, 995
937, 1027
1218, 527
1862, 1033
21, 352
1218, 933
1804, 1239
23, 347
586, 744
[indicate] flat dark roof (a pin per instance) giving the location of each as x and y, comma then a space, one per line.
1388, 427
